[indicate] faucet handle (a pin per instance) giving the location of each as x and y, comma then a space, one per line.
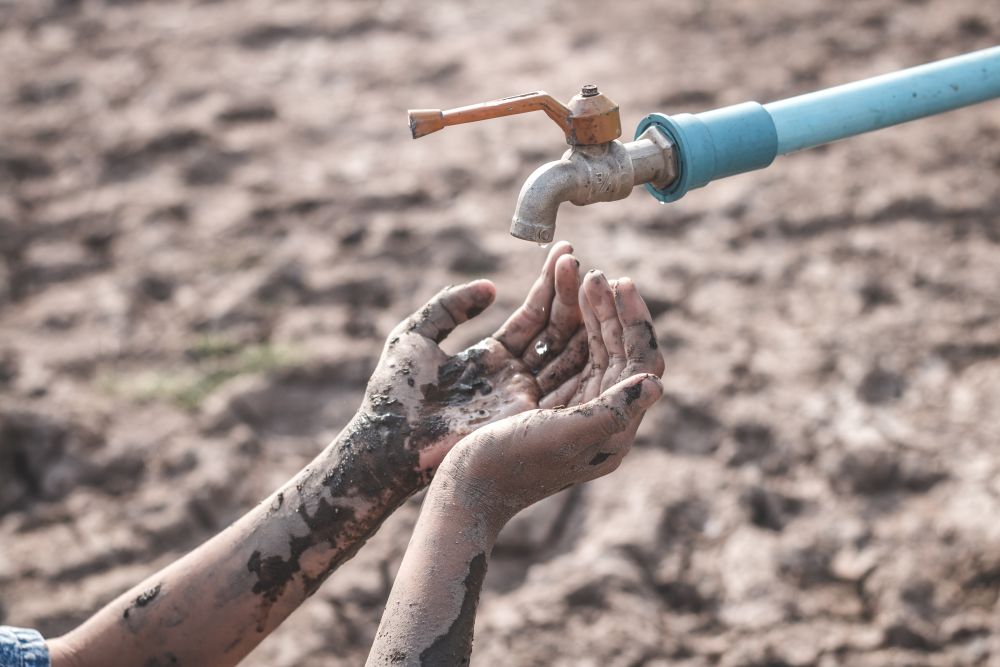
590, 117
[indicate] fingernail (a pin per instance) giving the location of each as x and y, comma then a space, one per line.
622, 287
652, 390
480, 283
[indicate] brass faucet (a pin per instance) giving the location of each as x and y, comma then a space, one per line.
597, 167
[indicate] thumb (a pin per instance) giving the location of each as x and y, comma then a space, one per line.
614, 411
631, 397
622, 406
450, 307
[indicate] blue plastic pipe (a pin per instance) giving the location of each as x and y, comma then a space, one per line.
748, 136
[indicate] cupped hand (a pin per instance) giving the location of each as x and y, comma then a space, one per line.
620, 338
430, 399
517, 461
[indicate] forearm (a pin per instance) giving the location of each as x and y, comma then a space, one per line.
217, 603
430, 615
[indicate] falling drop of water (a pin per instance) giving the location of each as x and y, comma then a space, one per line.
541, 347
543, 246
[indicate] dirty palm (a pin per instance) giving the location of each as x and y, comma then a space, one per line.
533, 360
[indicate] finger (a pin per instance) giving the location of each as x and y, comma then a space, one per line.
641, 348
590, 385
532, 316
569, 363
564, 315
564, 395
602, 300
450, 307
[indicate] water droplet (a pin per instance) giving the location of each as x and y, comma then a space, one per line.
541, 347
543, 246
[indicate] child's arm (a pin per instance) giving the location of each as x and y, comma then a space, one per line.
216, 604
503, 468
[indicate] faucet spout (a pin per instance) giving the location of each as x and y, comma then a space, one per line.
589, 174
546, 188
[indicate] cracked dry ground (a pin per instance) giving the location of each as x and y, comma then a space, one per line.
211, 213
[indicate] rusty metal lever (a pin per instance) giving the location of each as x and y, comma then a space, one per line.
589, 118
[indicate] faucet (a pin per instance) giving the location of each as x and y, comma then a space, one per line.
671, 155
597, 167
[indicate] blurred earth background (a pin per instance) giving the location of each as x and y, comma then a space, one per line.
211, 213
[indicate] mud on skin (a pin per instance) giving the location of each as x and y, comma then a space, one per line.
142, 600
376, 460
653, 344
599, 458
371, 462
455, 646
458, 381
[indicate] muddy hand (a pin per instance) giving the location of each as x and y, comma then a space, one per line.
515, 462
435, 399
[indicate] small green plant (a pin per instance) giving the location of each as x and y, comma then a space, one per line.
215, 360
